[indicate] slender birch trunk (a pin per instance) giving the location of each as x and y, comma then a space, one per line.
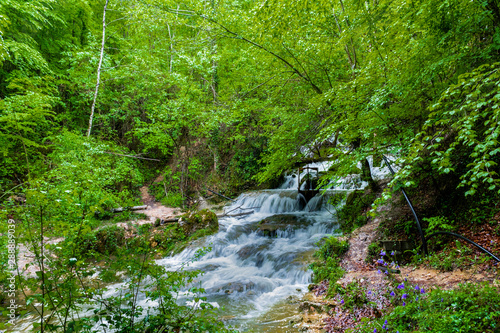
98, 68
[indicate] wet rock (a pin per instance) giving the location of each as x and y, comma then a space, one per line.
239, 287
294, 320
285, 222
311, 307
210, 268
250, 250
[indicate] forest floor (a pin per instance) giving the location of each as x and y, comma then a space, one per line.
326, 314
155, 210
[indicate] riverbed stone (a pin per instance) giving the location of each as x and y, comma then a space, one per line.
270, 225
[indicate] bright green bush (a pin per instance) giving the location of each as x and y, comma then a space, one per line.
470, 308
332, 247
329, 270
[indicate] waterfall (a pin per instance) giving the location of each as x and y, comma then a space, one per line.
250, 269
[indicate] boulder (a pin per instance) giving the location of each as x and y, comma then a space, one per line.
270, 225
198, 220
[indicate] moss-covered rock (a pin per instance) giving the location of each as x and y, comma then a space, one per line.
193, 221
105, 240
353, 214
271, 224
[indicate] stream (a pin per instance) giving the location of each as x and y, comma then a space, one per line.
256, 270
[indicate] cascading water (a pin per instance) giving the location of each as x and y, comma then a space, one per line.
261, 258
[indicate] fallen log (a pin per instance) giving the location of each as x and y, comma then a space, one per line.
173, 219
176, 219
235, 215
122, 209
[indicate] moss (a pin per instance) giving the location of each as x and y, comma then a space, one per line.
173, 238
353, 214
105, 240
193, 221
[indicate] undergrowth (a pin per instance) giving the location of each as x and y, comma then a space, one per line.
352, 215
470, 308
329, 254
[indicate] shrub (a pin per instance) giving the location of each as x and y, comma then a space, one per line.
332, 247
329, 270
470, 308
105, 240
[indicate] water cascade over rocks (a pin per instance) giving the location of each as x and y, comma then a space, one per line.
262, 258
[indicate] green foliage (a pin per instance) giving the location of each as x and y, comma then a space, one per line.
353, 214
328, 270
104, 240
468, 309
461, 134
295, 79
328, 266
438, 223
454, 256
353, 294
373, 252
332, 247
65, 281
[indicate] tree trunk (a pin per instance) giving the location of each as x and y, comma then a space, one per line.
98, 68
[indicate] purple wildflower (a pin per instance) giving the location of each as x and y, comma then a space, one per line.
375, 331
382, 253
369, 292
405, 296
385, 322
392, 293
378, 271
404, 304
342, 302
417, 288
392, 253
417, 298
383, 326
422, 291
401, 286
442, 299
380, 261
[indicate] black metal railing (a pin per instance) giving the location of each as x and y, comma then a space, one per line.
420, 230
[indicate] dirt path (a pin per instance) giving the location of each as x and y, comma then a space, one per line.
374, 282
154, 211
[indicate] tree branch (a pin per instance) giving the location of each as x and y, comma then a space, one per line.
286, 62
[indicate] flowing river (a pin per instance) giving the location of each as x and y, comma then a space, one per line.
255, 266
260, 260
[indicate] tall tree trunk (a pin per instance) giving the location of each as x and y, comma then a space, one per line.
213, 46
99, 67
